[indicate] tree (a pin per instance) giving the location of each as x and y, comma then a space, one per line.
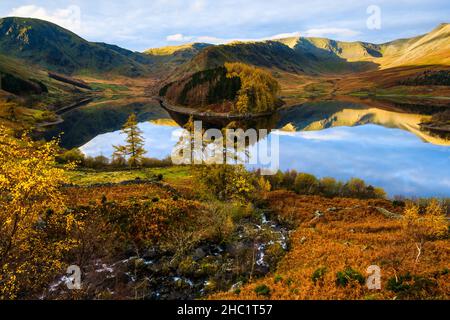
34, 226
305, 183
259, 89
226, 182
71, 156
355, 188
330, 187
134, 148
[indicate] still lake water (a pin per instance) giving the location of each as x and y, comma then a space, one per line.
335, 139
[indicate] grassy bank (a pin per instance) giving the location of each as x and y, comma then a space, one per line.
90, 176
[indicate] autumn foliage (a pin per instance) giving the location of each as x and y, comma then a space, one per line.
132, 239
336, 240
259, 90
34, 226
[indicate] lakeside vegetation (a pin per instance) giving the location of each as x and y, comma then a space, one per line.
207, 232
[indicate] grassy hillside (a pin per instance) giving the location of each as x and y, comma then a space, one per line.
167, 59
298, 61
274, 55
54, 48
430, 49
185, 50
29, 96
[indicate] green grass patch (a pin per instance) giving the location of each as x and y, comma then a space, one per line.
115, 88
88, 177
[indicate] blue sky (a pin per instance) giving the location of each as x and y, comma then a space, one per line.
142, 24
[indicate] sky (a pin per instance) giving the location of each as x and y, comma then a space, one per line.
141, 24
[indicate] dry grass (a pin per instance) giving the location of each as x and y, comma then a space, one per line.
352, 233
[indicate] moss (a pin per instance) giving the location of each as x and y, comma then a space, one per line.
263, 290
349, 275
278, 279
187, 266
274, 253
318, 275
411, 286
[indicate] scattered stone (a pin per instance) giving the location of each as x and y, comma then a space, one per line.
389, 214
199, 253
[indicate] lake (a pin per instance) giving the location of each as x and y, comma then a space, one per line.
385, 148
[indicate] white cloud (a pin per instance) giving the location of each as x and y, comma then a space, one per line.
322, 32
69, 18
140, 24
198, 5
285, 35
178, 38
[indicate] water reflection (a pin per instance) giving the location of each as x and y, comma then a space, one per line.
84, 124
339, 139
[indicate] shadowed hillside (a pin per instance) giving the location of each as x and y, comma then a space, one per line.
57, 49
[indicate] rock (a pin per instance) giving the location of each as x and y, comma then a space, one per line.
199, 253
319, 214
236, 286
150, 254
389, 214
303, 240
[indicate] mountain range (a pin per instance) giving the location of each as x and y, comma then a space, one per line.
54, 48
33, 49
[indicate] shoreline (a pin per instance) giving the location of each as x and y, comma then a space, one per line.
186, 111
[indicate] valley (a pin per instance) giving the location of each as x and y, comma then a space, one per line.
88, 131
306, 68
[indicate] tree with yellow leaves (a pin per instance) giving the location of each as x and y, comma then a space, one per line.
34, 226
259, 90
430, 225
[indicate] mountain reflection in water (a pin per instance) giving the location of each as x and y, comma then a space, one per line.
386, 148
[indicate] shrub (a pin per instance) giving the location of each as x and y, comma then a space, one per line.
355, 187
156, 163
411, 286
220, 221
97, 162
278, 279
318, 275
274, 253
329, 187
34, 224
349, 275
420, 228
305, 184
262, 290
73, 155
227, 181
289, 179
